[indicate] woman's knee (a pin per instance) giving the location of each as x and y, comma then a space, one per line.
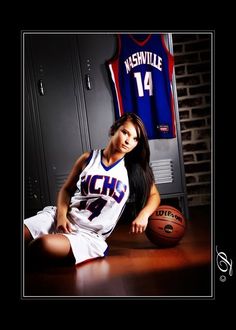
51, 246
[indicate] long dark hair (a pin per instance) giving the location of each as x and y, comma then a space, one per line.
137, 162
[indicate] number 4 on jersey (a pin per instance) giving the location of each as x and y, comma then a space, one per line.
94, 207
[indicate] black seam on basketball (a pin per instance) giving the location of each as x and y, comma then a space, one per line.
160, 235
171, 221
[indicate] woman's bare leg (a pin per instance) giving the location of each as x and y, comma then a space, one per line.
51, 249
27, 236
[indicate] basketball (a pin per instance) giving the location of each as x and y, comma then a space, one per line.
166, 226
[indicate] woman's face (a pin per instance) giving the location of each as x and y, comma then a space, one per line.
125, 138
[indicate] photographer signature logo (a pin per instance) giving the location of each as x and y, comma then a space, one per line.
224, 265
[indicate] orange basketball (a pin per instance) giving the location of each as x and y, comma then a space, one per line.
166, 226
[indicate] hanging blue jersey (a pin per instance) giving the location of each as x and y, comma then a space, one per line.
141, 73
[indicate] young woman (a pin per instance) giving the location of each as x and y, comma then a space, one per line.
92, 199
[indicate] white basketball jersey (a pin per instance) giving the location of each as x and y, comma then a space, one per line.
101, 195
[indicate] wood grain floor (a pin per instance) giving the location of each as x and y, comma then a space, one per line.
136, 268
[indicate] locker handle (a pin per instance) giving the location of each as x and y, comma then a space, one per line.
88, 82
41, 88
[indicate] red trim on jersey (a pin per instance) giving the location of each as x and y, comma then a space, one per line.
170, 70
114, 68
170, 58
138, 42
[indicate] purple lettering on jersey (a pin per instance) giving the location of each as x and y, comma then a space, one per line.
93, 182
109, 183
120, 189
85, 184
103, 185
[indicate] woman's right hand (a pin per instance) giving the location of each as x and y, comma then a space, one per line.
63, 225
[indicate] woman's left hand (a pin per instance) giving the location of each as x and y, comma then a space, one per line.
139, 224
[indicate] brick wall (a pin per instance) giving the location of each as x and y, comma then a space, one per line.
192, 53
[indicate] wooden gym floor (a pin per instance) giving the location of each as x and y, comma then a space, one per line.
136, 268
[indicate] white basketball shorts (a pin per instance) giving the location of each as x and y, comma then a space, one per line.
85, 244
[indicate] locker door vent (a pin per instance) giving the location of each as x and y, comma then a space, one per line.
163, 171
60, 179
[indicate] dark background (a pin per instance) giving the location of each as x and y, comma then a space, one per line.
224, 181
